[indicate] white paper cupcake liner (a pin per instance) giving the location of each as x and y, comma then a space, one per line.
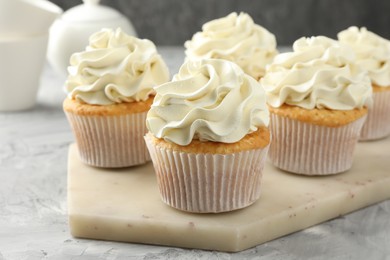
377, 125
208, 183
110, 141
309, 149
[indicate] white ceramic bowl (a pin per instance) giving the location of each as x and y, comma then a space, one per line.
21, 64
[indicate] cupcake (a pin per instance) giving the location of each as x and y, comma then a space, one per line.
110, 90
235, 38
373, 54
208, 137
318, 100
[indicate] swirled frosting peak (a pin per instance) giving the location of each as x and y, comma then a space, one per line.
372, 53
115, 68
235, 38
319, 73
209, 100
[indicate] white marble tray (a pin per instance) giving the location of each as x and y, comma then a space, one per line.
124, 205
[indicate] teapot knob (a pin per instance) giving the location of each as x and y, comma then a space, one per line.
91, 2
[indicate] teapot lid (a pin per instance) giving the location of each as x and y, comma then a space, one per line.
90, 11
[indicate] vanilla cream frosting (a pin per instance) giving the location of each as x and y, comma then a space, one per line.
372, 53
115, 68
235, 38
319, 73
209, 100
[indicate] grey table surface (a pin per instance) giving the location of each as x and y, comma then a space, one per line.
33, 207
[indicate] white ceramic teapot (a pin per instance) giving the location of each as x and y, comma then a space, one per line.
25, 18
70, 33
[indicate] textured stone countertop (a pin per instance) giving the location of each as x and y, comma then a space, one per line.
33, 208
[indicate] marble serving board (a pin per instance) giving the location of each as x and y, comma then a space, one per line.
124, 204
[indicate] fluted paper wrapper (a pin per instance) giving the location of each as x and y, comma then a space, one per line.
208, 183
110, 141
377, 125
309, 149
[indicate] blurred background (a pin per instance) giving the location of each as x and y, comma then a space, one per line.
171, 22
